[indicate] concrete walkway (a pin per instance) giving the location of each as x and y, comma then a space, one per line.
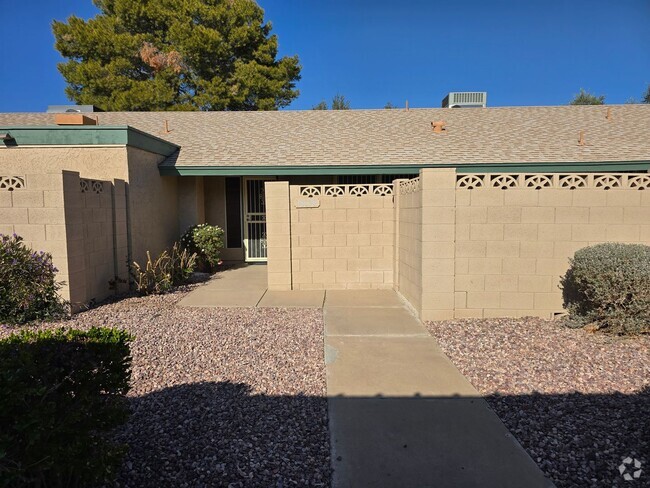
246, 286
400, 413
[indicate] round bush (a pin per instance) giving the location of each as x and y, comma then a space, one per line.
608, 287
28, 289
207, 242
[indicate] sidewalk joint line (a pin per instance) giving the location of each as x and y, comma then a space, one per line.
257, 305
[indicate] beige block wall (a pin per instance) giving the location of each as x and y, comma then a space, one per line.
438, 236
500, 248
342, 242
408, 240
94, 259
512, 245
278, 235
152, 199
52, 214
36, 213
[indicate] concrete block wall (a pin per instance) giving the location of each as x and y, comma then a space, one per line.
82, 223
278, 235
496, 245
327, 241
408, 240
32, 206
438, 238
94, 259
513, 244
344, 243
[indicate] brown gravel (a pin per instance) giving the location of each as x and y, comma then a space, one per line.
221, 397
577, 402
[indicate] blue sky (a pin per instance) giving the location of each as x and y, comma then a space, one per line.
521, 52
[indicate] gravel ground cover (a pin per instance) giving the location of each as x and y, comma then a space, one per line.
221, 397
577, 402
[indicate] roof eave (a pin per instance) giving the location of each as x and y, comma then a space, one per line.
511, 167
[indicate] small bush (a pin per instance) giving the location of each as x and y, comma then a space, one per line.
169, 269
62, 393
207, 242
28, 289
608, 287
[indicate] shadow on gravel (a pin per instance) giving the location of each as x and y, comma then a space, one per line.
222, 435
219, 434
578, 439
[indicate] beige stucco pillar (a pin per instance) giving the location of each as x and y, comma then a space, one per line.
438, 243
278, 235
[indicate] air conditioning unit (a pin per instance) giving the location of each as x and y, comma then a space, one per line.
465, 99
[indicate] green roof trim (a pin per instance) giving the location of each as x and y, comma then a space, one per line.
88, 135
569, 167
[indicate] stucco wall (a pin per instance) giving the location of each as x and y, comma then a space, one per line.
101, 163
153, 205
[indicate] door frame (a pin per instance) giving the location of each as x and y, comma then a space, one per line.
245, 180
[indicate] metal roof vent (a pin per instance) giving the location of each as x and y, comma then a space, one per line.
61, 109
465, 99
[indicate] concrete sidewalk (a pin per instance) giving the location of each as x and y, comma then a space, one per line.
400, 413
246, 286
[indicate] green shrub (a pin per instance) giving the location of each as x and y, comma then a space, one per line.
169, 269
207, 242
28, 289
62, 393
608, 287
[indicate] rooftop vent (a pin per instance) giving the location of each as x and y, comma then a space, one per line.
77, 109
465, 99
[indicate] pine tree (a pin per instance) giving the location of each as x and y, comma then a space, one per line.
175, 55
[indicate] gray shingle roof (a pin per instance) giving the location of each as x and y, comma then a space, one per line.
367, 137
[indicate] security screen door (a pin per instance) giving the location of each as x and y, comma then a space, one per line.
254, 219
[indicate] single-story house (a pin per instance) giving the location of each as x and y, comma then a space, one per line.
489, 203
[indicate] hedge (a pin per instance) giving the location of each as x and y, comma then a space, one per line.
62, 394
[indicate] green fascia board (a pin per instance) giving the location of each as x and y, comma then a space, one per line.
570, 167
88, 135
144, 140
